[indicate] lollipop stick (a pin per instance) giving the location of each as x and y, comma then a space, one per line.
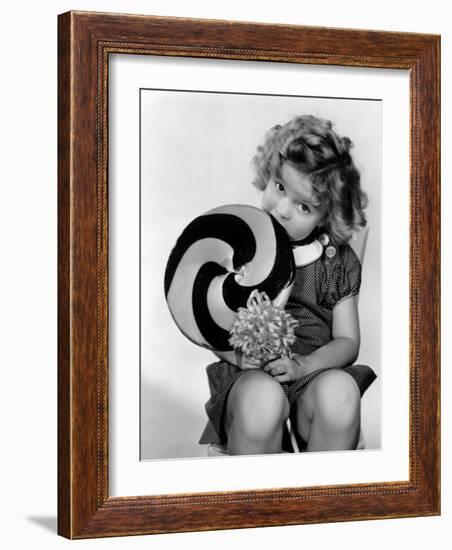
293, 439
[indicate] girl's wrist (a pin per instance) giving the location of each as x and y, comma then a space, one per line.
305, 364
301, 366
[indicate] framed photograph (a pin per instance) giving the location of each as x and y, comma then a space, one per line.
298, 169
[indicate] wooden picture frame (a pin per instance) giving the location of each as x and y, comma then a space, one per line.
85, 42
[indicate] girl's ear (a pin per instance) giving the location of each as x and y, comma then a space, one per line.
324, 225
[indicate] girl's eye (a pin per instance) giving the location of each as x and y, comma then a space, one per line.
279, 186
303, 208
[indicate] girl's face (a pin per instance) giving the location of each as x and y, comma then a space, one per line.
291, 201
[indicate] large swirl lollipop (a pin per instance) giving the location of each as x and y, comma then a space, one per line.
220, 258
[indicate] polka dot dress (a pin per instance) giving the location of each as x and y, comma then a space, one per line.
318, 287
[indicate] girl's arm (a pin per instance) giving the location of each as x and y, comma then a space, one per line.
340, 351
343, 349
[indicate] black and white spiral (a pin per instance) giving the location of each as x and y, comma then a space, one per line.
219, 259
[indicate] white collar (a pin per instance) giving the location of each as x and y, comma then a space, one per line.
308, 253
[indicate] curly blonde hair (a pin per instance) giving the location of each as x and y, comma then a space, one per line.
311, 146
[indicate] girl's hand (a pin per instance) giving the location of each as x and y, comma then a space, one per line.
245, 363
285, 369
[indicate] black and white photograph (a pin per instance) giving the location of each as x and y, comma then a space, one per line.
260, 290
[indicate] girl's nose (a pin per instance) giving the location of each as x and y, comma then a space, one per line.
283, 208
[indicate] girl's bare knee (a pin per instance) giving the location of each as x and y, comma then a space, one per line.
336, 399
257, 404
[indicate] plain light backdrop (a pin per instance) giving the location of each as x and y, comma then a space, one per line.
28, 305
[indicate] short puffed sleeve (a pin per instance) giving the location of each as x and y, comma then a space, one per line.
343, 276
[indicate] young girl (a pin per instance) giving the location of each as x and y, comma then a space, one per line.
312, 187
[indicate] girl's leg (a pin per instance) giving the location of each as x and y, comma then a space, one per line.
256, 410
329, 412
